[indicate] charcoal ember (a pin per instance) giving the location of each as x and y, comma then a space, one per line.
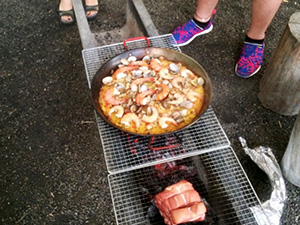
152, 214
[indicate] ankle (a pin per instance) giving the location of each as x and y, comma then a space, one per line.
201, 24
254, 41
201, 19
91, 2
65, 5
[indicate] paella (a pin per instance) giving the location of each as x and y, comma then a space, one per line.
151, 95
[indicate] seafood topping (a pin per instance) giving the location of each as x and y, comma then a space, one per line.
151, 95
107, 80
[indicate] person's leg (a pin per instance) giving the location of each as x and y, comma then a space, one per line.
262, 13
205, 9
65, 8
199, 25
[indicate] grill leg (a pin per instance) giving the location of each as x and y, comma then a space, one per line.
87, 38
138, 23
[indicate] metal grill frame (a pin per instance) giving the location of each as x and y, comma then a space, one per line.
227, 189
203, 136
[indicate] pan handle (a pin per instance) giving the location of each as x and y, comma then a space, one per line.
136, 39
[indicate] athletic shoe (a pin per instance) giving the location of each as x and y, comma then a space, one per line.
187, 32
250, 60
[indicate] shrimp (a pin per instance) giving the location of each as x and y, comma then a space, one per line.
163, 122
141, 97
164, 93
178, 82
187, 73
119, 110
141, 80
110, 98
155, 64
164, 74
140, 63
130, 117
122, 70
192, 95
152, 118
179, 99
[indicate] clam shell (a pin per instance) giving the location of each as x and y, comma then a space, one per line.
131, 58
200, 81
124, 61
121, 75
146, 58
143, 88
174, 68
107, 80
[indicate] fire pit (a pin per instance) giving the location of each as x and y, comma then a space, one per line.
217, 176
201, 154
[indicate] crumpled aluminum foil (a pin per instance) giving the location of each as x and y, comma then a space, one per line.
271, 210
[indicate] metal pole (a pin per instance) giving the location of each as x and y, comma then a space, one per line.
87, 38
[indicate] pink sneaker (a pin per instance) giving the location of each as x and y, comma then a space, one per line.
250, 60
187, 32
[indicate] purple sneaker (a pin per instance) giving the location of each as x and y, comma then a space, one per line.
187, 32
250, 60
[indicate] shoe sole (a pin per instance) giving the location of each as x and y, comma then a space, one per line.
196, 35
246, 76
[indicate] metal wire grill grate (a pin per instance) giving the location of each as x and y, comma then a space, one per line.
94, 57
124, 152
217, 176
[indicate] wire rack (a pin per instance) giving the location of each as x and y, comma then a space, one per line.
126, 152
204, 158
94, 57
217, 176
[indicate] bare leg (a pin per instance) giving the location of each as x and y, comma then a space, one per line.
204, 10
65, 5
262, 13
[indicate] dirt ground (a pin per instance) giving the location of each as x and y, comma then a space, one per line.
52, 167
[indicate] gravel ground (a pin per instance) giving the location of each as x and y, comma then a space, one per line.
52, 169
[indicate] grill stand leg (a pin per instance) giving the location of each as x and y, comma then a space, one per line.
138, 23
87, 38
